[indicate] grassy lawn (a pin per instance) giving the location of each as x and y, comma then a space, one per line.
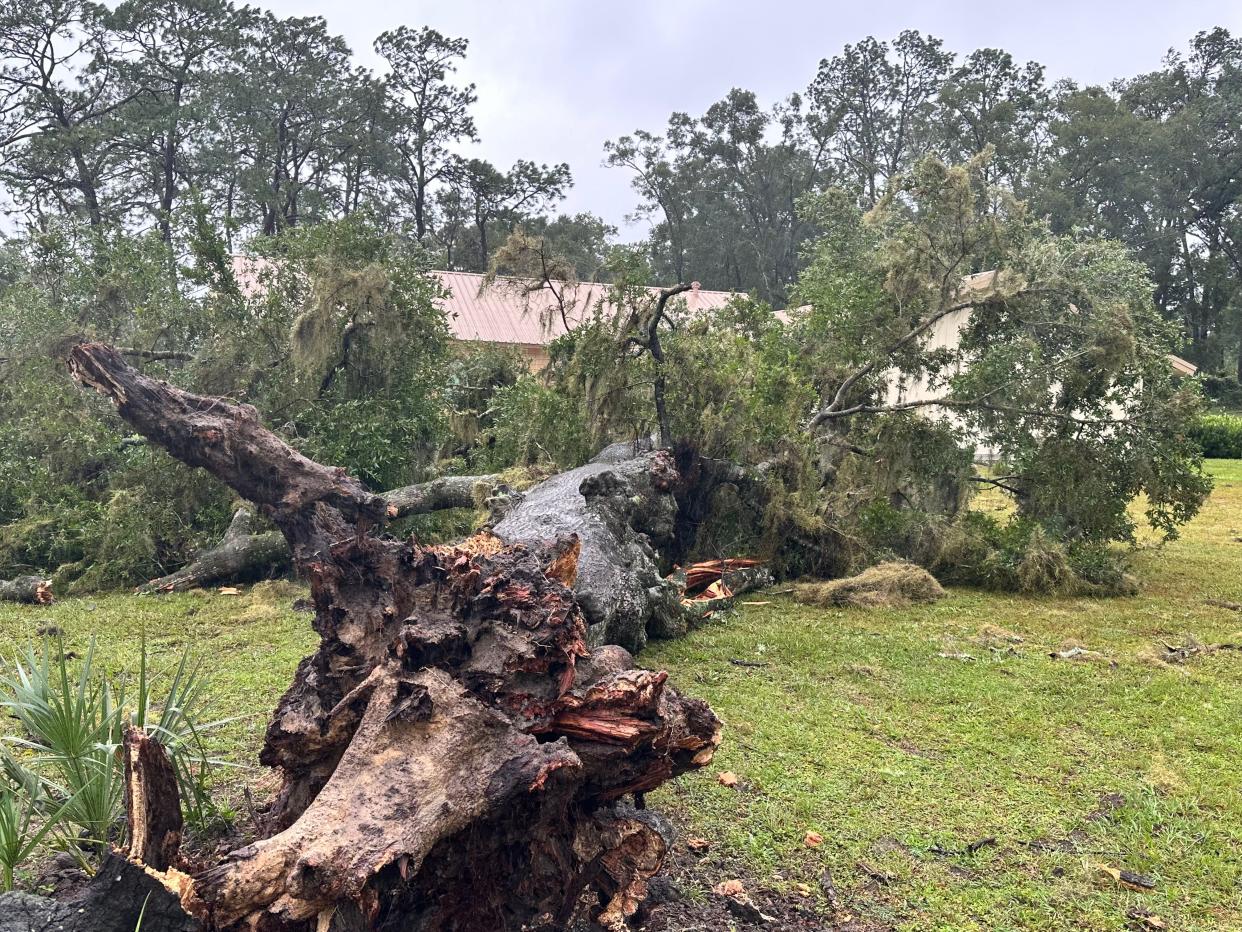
858, 729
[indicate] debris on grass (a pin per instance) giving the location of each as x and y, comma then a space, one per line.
1073, 650
875, 874
813, 839
747, 663
994, 636
829, 888
739, 903
886, 585
1142, 918
1126, 878
1192, 647
1225, 604
727, 778
698, 845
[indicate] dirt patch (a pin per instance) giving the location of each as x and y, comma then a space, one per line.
885, 585
682, 900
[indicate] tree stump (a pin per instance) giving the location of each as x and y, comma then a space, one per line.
454, 756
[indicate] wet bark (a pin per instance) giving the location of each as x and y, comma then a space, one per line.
243, 554
32, 590
246, 552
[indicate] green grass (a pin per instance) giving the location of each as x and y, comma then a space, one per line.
857, 729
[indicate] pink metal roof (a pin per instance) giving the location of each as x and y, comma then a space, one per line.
500, 312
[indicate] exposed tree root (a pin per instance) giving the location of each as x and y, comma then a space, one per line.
454, 755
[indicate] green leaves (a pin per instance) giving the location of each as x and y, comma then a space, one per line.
73, 723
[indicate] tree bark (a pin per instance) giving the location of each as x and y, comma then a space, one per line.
453, 755
32, 590
152, 802
622, 507
438, 494
246, 553
243, 554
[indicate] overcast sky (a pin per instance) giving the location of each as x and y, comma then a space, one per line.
556, 77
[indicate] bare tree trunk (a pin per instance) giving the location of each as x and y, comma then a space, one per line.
453, 755
33, 590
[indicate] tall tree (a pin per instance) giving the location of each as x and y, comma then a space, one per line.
179, 50
431, 113
991, 101
484, 204
294, 102
871, 104
724, 189
60, 96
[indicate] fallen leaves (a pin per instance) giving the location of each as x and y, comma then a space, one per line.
1145, 919
727, 778
697, 845
728, 888
813, 839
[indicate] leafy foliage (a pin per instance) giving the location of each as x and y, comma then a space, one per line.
1219, 436
74, 725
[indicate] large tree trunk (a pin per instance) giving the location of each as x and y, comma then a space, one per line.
454, 756
33, 590
243, 554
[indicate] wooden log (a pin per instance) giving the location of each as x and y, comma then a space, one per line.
242, 555
152, 802
246, 553
31, 590
439, 494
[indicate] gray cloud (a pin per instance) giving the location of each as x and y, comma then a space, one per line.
556, 78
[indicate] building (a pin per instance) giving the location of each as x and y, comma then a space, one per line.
502, 312
505, 311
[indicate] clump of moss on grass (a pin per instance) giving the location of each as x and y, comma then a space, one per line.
885, 585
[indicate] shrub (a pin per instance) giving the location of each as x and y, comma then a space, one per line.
1219, 436
532, 423
20, 833
73, 724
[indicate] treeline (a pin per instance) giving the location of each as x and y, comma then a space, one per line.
1154, 161
158, 114
170, 114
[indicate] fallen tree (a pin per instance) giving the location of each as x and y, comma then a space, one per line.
248, 552
243, 554
454, 756
627, 508
32, 590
